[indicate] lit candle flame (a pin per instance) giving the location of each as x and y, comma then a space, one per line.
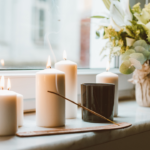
48, 62
8, 84
2, 62
2, 82
107, 66
64, 55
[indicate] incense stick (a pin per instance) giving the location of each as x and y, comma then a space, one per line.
91, 111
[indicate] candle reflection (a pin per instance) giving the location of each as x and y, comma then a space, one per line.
48, 62
65, 55
2, 82
2, 62
8, 84
108, 66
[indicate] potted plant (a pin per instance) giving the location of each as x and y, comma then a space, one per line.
128, 31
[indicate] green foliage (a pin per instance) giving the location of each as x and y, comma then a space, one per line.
139, 57
141, 43
98, 17
136, 8
127, 53
107, 4
97, 34
131, 41
136, 56
142, 50
137, 31
126, 67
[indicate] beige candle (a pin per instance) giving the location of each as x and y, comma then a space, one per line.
8, 111
20, 113
108, 77
70, 69
50, 108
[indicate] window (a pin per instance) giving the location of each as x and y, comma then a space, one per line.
29, 29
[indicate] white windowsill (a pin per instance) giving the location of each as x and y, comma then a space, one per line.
27, 73
23, 82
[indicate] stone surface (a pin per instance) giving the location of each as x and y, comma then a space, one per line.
129, 112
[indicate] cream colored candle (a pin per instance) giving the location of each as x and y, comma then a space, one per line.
8, 112
70, 69
108, 77
50, 108
20, 112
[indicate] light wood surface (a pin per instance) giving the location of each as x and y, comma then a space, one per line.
73, 130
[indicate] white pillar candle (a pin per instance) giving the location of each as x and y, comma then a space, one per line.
8, 112
20, 112
108, 77
50, 108
70, 69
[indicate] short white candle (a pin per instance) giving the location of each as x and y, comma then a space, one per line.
70, 69
108, 77
20, 113
8, 112
50, 108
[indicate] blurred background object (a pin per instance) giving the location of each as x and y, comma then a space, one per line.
29, 27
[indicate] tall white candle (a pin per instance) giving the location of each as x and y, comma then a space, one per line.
50, 108
108, 77
70, 69
20, 113
8, 112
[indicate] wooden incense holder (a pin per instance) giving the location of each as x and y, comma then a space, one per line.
72, 130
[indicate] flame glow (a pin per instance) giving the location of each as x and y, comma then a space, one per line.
108, 66
2, 82
48, 62
2, 62
8, 84
64, 55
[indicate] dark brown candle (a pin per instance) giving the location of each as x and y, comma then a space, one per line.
99, 98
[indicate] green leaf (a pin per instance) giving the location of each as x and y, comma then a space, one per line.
141, 43
97, 34
137, 8
126, 57
126, 67
98, 17
138, 56
107, 3
149, 48
127, 53
140, 49
136, 63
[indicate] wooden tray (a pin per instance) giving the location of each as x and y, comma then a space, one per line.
72, 130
